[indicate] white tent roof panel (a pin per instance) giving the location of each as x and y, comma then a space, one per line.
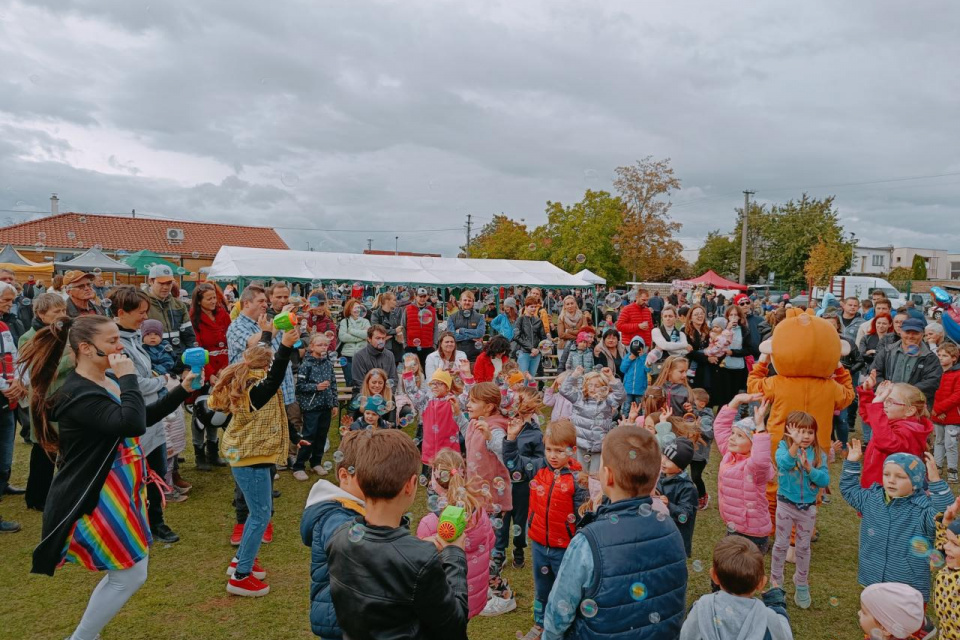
589, 276
247, 262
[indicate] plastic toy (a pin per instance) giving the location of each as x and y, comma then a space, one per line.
452, 523
196, 358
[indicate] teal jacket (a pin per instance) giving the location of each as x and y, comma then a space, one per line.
797, 485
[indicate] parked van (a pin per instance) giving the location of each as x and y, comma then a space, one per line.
861, 287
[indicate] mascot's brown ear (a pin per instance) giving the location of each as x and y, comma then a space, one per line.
767, 346
844, 348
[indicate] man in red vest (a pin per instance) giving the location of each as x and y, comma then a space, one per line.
420, 327
636, 319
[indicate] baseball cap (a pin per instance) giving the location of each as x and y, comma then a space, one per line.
912, 324
161, 273
421, 291
72, 277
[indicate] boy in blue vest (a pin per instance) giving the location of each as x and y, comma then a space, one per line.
624, 574
555, 500
328, 507
733, 612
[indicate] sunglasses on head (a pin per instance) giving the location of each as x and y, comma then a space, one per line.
744, 304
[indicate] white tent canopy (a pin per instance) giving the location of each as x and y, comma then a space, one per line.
589, 276
245, 262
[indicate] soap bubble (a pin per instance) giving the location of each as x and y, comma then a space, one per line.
544, 569
106, 304
497, 523
83, 219
919, 546
937, 559
645, 510
638, 591
327, 465
423, 481
71, 235
97, 271
361, 311
571, 518
416, 342
517, 476
581, 258
697, 566
532, 246
731, 528
682, 518
195, 255
425, 316
338, 456
612, 300
39, 246
588, 608
654, 618
834, 602
42, 235
289, 179
516, 530
432, 503
614, 519
355, 534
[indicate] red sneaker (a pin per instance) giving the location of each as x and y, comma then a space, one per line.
268, 534
703, 502
236, 535
258, 572
251, 587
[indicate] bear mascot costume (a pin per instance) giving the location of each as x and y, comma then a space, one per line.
805, 351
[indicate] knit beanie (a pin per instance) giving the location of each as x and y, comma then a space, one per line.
911, 465
442, 376
679, 452
151, 326
719, 323
897, 607
747, 426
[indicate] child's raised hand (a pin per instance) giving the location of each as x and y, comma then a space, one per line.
933, 473
465, 368
484, 428
514, 427
855, 451
634, 412
883, 391
687, 407
871, 381
759, 415
606, 373
666, 414
744, 398
951, 513
578, 371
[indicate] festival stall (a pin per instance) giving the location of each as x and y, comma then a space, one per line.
12, 260
94, 261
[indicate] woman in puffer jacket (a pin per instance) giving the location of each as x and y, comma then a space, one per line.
595, 407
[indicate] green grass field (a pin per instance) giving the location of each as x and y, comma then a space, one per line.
184, 596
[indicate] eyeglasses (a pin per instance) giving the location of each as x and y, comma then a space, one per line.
889, 401
743, 304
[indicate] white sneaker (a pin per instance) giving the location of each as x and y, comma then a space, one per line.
319, 470
498, 606
300, 474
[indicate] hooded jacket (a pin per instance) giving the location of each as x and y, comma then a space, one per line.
890, 528
946, 403
723, 616
328, 508
683, 497
795, 484
592, 418
479, 542
635, 373
742, 479
150, 385
175, 318
908, 435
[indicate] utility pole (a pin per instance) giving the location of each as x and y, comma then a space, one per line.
469, 225
134, 212
396, 245
743, 237
369, 244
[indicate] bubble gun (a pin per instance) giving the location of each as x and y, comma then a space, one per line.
196, 358
286, 321
453, 521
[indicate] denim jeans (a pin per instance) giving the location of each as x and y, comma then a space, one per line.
528, 363
549, 557
316, 425
8, 436
257, 487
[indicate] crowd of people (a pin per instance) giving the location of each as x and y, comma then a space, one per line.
451, 399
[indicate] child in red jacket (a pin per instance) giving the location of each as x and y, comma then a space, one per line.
946, 410
900, 420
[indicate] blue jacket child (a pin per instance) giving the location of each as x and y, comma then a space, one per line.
328, 508
160, 352
635, 371
800, 487
896, 532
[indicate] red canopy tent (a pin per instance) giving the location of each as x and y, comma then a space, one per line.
717, 282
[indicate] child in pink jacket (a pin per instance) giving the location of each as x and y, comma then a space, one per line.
448, 477
745, 469
562, 408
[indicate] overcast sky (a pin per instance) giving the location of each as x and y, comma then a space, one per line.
405, 116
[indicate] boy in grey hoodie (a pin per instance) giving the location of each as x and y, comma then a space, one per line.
733, 613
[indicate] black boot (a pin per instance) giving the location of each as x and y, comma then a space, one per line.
163, 533
213, 455
201, 456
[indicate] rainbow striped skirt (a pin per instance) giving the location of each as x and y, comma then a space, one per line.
116, 535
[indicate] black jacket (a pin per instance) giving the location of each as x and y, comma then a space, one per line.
528, 333
925, 376
853, 361
91, 425
683, 497
389, 585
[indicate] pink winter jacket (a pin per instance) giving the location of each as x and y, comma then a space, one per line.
440, 430
742, 480
562, 408
479, 542
487, 465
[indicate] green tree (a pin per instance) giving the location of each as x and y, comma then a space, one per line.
502, 238
585, 228
645, 237
794, 228
919, 268
901, 274
759, 247
827, 258
719, 253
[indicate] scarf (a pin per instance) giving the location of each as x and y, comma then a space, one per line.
572, 320
611, 357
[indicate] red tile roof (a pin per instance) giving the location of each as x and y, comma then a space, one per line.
114, 233
381, 252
